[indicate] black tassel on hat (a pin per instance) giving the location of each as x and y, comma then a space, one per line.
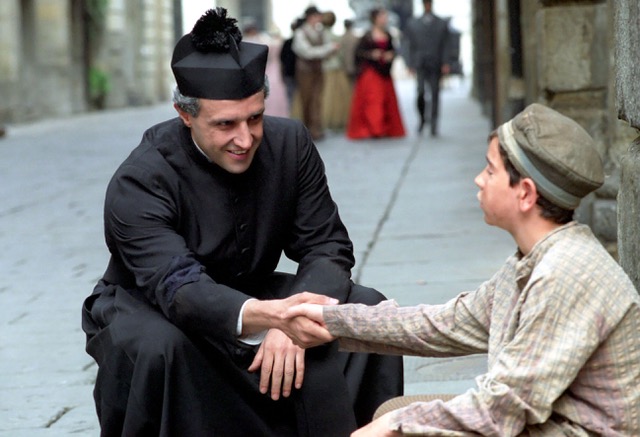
213, 31
212, 62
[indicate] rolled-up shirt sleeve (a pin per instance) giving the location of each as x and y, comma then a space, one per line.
526, 376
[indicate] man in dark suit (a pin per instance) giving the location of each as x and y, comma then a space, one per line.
288, 63
185, 323
426, 48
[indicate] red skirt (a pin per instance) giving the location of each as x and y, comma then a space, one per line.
374, 108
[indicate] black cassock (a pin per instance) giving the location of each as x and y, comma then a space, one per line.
190, 243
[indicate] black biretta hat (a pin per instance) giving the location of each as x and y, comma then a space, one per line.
212, 62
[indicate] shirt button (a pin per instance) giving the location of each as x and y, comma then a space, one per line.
245, 250
243, 226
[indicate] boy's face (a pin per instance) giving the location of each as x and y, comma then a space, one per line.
498, 200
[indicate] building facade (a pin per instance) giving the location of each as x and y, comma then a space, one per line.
60, 57
562, 53
626, 26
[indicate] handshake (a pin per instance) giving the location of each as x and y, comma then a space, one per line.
300, 317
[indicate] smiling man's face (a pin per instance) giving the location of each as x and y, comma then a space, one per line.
228, 131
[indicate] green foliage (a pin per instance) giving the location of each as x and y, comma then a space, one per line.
97, 10
98, 80
96, 13
99, 86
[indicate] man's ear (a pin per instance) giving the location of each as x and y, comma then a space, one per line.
184, 116
528, 194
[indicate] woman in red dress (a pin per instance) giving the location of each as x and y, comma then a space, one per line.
374, 108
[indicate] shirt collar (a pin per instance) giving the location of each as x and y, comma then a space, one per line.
199, 149
526, 263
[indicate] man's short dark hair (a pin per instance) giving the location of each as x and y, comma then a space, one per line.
549, 210
191, 105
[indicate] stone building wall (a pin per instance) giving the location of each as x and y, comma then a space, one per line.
48, 49
37, 76
571, 68
569, 63
137, 51
581, 58
10, 56
627, 51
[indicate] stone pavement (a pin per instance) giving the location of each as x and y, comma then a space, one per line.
409, 205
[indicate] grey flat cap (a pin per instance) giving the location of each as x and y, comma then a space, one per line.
555, 152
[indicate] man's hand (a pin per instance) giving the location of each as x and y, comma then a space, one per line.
305, 325
280, 361
281, 364
311, 311
377, 428
262, 315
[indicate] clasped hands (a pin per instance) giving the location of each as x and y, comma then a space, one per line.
293, 324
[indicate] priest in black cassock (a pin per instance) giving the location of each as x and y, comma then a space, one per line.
184, 324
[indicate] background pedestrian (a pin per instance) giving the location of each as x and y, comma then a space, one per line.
336, 95
288, 64
374, 106
277, 104
348, 43
425, 39
312, 44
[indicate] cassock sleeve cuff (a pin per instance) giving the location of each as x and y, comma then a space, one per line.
252, 339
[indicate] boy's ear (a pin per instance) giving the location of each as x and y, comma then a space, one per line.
528, 194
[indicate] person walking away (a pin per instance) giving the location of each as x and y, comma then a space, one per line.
276, 104
288, 65
312, 44
348, 43
336, 95
426, 41
374, 106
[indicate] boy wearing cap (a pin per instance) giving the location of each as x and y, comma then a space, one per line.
559, 320
183, 322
